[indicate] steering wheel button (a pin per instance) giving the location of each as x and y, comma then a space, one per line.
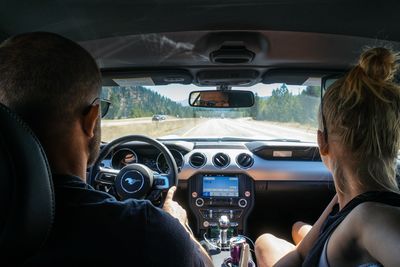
159, 182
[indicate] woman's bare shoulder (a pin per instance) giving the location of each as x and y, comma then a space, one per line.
372, 211
371, 220
370, 216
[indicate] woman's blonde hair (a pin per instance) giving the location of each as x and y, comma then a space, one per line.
362, 112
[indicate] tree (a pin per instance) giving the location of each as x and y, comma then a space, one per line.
312, 91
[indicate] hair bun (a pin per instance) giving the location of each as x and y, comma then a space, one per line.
379, 63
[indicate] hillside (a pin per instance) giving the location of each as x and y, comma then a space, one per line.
134, 102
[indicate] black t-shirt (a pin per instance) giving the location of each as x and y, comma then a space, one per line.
92, 228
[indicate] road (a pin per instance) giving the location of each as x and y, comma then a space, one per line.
202, 127
249, 128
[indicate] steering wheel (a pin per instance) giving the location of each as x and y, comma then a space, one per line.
135, 180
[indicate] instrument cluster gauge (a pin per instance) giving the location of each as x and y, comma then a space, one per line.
162, 165
123, 157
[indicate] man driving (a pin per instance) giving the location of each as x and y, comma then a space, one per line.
54, 85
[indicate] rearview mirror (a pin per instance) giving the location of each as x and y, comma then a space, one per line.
328, 80
221, 99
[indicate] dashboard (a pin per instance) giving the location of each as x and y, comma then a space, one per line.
294, 161
223, 178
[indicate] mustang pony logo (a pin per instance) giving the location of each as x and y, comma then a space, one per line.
131, 181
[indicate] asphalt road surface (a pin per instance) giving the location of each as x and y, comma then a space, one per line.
249, 128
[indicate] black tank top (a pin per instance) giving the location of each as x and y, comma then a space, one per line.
336, 217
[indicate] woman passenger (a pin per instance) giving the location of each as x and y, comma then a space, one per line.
358, 138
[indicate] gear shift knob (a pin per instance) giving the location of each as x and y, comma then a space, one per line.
224, 224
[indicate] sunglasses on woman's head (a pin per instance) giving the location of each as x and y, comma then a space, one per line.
326, 82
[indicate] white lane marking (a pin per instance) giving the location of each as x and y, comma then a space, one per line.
192, 129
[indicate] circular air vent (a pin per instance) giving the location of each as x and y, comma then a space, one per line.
221, 160
245, 160
197, 160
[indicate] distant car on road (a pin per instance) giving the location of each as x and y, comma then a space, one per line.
158, 117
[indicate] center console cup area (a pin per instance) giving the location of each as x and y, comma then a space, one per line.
221, 204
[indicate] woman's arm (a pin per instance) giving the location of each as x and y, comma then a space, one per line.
308, 242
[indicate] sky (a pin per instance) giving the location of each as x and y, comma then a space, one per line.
180, 92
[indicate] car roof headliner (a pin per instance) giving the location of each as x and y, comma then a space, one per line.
123, 33
94, 19
192, 50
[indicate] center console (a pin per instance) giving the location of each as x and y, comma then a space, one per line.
221, 204
215, 195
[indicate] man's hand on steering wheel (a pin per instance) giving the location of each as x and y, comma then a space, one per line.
173, 208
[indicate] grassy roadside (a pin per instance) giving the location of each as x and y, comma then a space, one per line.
153, 129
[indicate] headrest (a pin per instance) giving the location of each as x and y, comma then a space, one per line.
26, 190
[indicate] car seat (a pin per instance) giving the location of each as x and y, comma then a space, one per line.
26, 191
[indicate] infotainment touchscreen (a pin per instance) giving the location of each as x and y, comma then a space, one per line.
220, 186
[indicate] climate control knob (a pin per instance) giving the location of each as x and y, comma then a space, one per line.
242, 203
199, 202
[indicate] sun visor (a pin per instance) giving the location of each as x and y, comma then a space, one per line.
297, 77
151, 77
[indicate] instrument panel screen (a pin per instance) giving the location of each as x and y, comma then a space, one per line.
220, 186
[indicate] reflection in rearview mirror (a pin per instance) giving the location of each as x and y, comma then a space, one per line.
221, 99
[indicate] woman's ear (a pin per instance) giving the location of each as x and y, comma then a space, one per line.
322, 143
90, 120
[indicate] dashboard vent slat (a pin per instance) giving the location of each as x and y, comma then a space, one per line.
221, 160
245, 160
197, 160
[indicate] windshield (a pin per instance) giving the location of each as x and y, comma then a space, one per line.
281, 112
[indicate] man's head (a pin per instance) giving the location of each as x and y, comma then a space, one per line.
52, 82
217, 98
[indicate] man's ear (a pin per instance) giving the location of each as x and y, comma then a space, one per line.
90, 120
322, 143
